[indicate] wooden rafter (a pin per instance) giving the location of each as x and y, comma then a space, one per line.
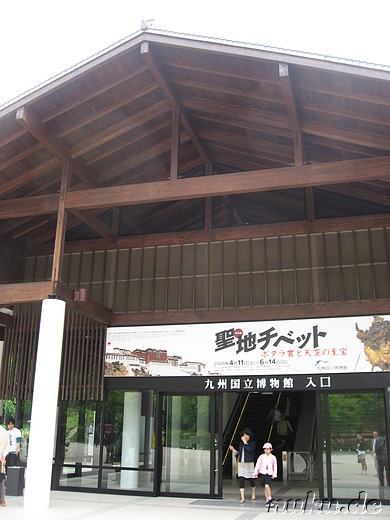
281, 122
59, 243
98, 226
159, 77
292, 113
299, 151
175, 147
28, 118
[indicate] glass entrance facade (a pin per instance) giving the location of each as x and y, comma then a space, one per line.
354, 445
152, 442
187, 444
109, 446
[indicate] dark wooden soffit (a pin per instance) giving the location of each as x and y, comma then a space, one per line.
319, 310
302, 176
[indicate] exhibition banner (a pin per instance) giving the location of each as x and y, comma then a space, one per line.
307, 346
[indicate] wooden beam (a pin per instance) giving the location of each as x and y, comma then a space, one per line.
292, 112
6, 320
310, 210
72, 222
13, 293
255, 181
221, 234
161, 81
89, 308
231, 184
175, 148
299, 150
134, 161
95, 224
61, 226
115, 221
29, 119
29, 206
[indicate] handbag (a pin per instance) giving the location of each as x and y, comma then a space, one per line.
2, 470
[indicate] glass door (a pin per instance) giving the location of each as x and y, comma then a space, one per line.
188, 445
355, 446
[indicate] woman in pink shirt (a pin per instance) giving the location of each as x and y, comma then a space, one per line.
267, 468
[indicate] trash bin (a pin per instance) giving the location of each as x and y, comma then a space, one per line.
15, 481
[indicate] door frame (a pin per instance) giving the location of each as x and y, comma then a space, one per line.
215, 473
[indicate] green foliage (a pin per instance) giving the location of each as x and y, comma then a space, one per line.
9, 409
351, 414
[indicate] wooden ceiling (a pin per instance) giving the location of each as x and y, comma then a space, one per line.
169, 134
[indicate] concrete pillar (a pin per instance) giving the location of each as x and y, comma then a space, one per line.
44, 406
131, 439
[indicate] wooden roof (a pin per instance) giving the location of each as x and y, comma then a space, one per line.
170, 134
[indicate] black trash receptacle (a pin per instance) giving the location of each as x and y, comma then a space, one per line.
15, 481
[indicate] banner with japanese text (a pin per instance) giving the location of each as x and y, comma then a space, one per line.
307, 346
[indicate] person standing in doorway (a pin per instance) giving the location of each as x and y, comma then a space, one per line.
382, 459
284, 429
246, 462
4, 449
15, 439
373, 452
361, 451
267, 468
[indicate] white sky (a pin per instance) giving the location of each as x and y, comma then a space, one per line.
41, 38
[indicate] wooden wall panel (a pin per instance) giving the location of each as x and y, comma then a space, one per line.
82, 366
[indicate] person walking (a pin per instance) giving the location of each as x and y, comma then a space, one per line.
246, 462
373, 452
267, 468
361, 451
4, 449
284, 429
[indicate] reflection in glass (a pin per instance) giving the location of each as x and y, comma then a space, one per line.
186, 444
353, 419
121, 444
